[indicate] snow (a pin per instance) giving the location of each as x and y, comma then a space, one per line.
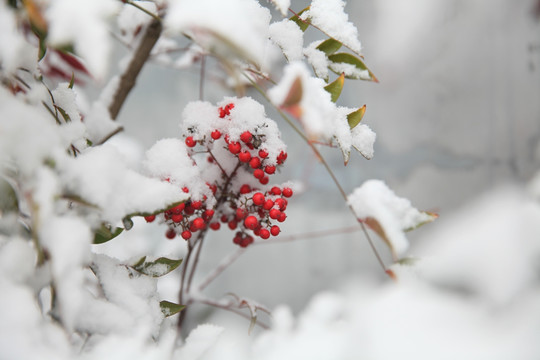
131, 20
330, 17
317, 59
15, 52
349, 70
199, 341
83, 23
373, 199
282, 6
363, 139
214, 25
289, 37
100, 176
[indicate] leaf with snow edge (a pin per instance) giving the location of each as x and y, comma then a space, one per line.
345, 58
335, 88
169, 309
385, 213
432, 217
355, 117
363, 139
159, 267
8, 198
287, 35
106, 233
302, 24
329, 46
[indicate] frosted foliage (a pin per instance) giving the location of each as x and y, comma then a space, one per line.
101, 177
316, 105
65, 98
282, 6
350, 70
330, 17
317, 59
214, 25
83, 23
289, 37
363, 139
373, 199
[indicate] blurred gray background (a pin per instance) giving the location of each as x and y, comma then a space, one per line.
456, 112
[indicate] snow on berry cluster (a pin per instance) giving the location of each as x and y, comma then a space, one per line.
229, 152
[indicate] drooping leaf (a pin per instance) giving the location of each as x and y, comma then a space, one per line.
335, 87
374, 225
302, 24
169, 309
345, 58
8, 197
106, 233
156, 268
329, 46
431, 217
355, 117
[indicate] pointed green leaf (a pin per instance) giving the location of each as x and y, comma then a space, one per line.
361, 70
72, 81
63, 113
302, 24
431, 216
335, 87
329, 46
168, 308
8, 198
157, 268
355, 117
105, 233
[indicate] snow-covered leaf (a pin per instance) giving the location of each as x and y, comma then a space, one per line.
169, 309
386, 214
353, 67
156, 268
329, 46
303, 24
8, 198
335, 87
106, 233
355, 117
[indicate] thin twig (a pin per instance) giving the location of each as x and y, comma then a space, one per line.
107, 137
201, 79
141, 55
309, 235
232, 309
225, 263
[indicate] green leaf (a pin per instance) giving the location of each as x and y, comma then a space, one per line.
329, 46
156, 268
346, 58
105, 233
355, 117
72, 81
302, 24
431, 217
168, 308
335, 87
8, 198
63, 113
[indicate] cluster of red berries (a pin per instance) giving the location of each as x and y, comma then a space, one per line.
247, 209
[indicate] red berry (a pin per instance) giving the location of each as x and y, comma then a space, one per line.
237, 239
186, 234
170, 234
274, 214
196, 204
178, 208
275, 190
268, 204
255, 163
287, 192
199, 223
282, 157
265, 234
263, 154
258, 199
215, 226
210, 159
222, 113
189, 210
185, 189
224, 218
216, 134
241, 213
251, 222
282, 217
264, 180
244, 189
270, 169
244, 156
208, 213
235, 147
190, 142
150, 218
213, 187
232, 224
246, 137
281, 203
258, 173
245, 242
177, 218
275, 230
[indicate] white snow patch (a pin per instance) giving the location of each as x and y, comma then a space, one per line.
289, 37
